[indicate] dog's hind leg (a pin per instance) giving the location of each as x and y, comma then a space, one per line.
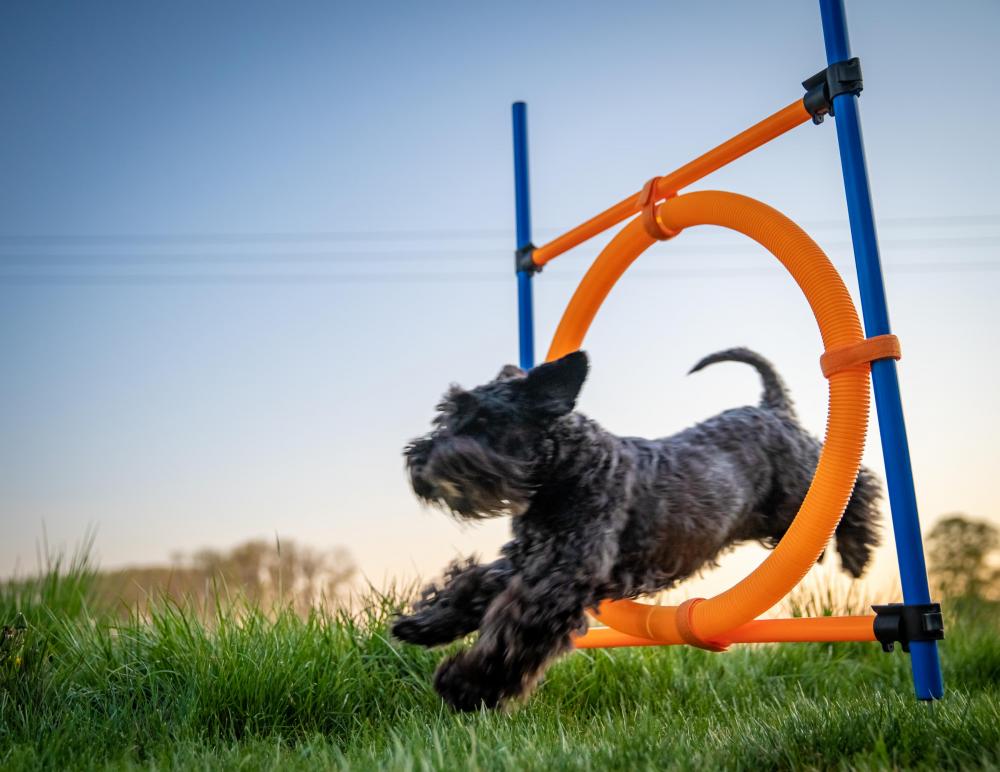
858, 530
456, 607
530, 623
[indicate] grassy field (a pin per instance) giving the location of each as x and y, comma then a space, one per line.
79, 688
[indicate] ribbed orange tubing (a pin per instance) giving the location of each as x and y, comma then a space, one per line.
718, 618
760, 133
799, 630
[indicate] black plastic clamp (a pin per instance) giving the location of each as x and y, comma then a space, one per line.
908, 622
821, 89
523, 260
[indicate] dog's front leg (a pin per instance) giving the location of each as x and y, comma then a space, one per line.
455, 608
527, 625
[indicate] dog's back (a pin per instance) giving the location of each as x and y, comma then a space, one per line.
794, 455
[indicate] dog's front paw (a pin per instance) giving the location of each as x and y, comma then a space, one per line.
465, 687
434, 625
415, 629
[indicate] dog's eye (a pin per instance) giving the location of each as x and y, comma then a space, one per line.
476, 423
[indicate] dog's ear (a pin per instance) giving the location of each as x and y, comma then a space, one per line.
509, 372
457, 400
552, 388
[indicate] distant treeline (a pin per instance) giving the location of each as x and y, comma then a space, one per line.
261, 572
963, 558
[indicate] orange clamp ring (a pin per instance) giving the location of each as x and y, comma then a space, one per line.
686, 629
647, 204
864, 352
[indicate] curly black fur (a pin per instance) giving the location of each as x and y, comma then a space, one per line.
596, 516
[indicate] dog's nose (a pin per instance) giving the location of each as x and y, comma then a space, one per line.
421, 487
417, 452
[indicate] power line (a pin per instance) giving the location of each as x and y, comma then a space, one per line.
450, 254
272, 237
260, 237
273, 279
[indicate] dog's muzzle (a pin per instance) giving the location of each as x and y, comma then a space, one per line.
467, 479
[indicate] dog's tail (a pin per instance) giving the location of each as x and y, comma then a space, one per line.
775, 395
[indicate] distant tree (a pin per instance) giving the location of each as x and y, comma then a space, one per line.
264, 572
963, 556
246, 567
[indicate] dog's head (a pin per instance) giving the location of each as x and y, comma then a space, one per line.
489, 445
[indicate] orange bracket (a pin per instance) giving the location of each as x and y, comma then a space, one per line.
647, 205
686, 628
865, 352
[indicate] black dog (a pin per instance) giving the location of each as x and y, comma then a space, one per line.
596, 516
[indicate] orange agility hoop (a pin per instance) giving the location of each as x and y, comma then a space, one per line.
728, 617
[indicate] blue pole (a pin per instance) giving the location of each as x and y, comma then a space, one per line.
899, 475
522, 208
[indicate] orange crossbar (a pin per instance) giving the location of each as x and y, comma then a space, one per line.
817, 629
760, 133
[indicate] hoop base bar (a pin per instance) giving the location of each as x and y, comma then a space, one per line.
803, 630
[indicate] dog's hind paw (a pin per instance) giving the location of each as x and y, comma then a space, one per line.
463, 687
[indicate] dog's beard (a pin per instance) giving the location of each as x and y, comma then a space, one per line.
467, 479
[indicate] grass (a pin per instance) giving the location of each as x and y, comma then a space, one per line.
79, 688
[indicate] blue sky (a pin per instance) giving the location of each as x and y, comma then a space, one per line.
244, 247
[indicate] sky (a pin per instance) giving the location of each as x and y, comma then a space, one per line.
245, 246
